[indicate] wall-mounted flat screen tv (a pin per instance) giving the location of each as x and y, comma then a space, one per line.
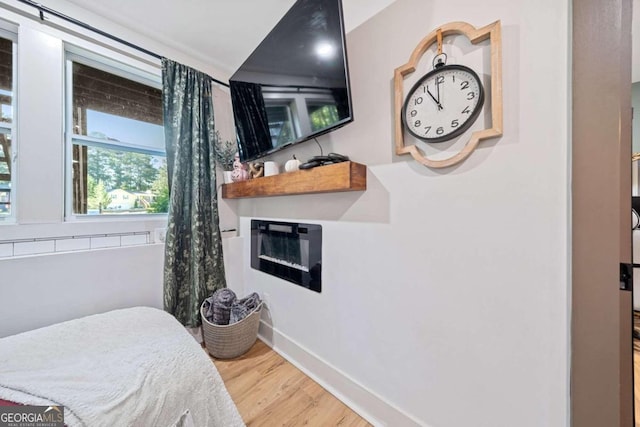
295, 85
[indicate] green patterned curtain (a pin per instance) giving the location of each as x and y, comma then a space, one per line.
193, 264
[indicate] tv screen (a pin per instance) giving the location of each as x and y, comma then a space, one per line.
295, 85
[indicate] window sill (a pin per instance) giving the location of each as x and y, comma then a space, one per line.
116, 218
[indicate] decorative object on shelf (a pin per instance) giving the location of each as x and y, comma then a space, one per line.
292, 165
239, 173
447, 100
227, 177
256, 170
224, 152
271, 168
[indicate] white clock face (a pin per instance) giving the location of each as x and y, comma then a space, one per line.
443, 104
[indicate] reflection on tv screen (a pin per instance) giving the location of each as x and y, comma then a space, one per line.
295, 85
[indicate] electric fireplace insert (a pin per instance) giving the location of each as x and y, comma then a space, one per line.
290, 251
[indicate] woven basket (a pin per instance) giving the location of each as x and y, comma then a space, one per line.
229, 341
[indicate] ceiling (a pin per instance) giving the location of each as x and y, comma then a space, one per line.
220, 32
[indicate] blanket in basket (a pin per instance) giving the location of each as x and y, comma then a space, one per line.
224, 308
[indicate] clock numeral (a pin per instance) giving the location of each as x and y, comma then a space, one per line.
413, 113
440, 80
471, 95
417, 123
419, 100
466, 110
428, 128
453, 78
464, 85
454, 123
440, 131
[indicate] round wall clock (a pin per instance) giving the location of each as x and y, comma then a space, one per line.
443, 103
446, 101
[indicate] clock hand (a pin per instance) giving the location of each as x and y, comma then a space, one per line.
434, 99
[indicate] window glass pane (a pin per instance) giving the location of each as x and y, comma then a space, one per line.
323, 116
126, 172
119, 182
6, 80
5, 175
5, 156
117, 128
115, 108
6, 118
280, 124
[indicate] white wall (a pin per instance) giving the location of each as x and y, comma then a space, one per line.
41, 289
445, 292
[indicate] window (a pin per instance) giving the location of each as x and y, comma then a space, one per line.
117, 161
280, 123
322, 116
7, 170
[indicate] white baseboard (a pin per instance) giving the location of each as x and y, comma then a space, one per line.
363, 401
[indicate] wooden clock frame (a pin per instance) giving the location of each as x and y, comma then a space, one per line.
492, 32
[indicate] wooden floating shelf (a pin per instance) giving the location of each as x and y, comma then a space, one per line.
344, 176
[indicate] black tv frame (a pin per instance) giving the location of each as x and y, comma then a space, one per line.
312, 135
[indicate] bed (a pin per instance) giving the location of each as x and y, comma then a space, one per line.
136, 366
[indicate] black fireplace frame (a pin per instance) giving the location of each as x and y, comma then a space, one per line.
312, 232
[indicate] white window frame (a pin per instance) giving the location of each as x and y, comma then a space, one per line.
289, 105
10, 32
91, 59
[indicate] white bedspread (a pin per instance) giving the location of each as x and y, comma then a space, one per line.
131, 367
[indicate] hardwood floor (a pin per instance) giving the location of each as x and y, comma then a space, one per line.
270, 391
